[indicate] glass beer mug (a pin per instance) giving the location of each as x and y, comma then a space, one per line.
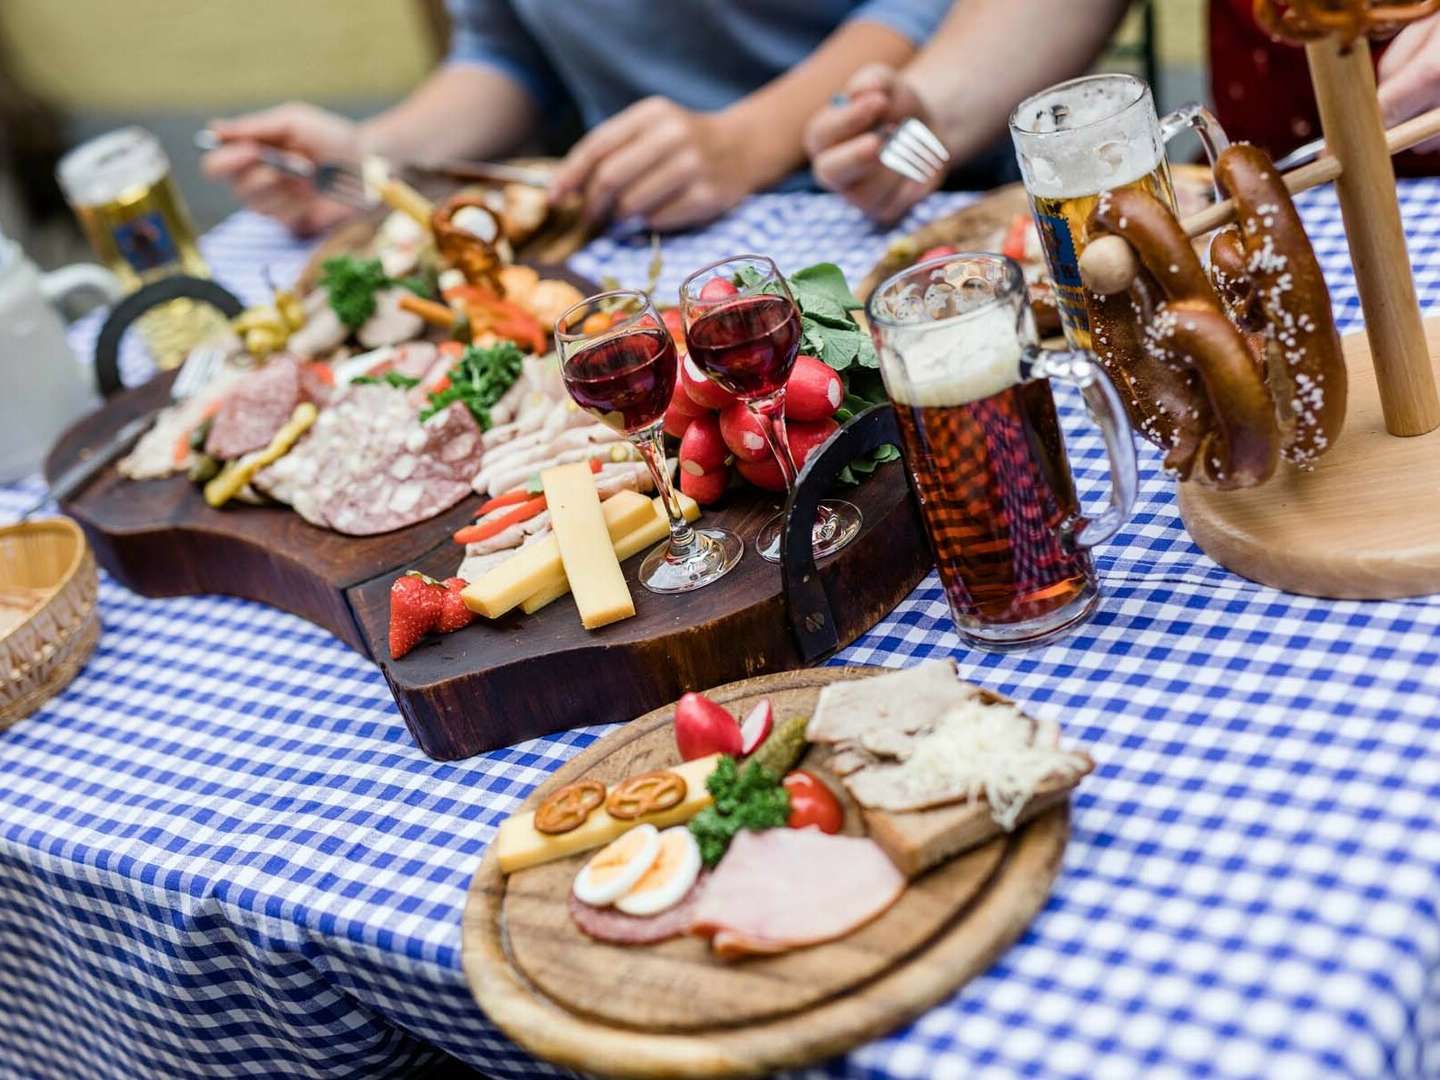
1084, 137
982, 442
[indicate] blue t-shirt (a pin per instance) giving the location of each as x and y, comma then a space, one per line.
703, 54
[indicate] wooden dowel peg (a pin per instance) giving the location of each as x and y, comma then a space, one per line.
1355, 134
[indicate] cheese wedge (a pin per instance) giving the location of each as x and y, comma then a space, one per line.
586, 549
519, 844
539, 565
632, 543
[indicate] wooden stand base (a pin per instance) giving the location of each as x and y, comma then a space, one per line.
1364, 525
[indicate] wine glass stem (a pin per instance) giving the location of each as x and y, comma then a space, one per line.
770, 414
652, 449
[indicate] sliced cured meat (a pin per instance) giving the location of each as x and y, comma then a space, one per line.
155, 454
391, 324
787, 888
257, 406
369, 465
608, 924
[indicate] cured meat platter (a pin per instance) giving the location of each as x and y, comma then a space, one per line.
616, 995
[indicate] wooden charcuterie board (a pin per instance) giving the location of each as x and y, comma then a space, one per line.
671, 1010
491, 684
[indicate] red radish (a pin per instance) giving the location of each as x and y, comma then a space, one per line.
702, 728
718, 288
703, 392
702, 450
706, 488
941, 249
814, 390
758, 724
742, 433
676, 422
676, 325
805, 439
765, 475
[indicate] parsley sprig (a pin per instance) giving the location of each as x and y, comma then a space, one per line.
480, 379
748, 798
352, 283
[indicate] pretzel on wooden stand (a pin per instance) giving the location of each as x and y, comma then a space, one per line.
1299, 21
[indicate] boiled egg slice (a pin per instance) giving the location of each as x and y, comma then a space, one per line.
669, 877
614, 869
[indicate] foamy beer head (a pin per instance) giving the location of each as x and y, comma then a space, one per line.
1086, 136
952, 330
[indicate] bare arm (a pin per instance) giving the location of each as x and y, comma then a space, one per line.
463, 110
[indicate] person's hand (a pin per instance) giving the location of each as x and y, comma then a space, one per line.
1410, 76
303, 129
659, 162
844, 145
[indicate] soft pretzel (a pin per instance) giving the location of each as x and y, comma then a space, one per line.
1266, 270
1299, 21
1190, 381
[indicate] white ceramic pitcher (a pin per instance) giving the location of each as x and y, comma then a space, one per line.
43, 387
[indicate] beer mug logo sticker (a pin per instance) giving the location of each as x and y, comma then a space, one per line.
1082, 138
983, 447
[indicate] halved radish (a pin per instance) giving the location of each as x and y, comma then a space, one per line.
702, 450
757, 726
813, 391
700, 389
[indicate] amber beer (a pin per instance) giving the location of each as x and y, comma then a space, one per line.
984, 449
125, 199
1074, 142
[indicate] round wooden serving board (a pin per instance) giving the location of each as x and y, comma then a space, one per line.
672, 1010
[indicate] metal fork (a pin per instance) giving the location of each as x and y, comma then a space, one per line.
200, 367
915, 152
334, 181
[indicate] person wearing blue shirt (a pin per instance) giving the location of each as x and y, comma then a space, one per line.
688, 106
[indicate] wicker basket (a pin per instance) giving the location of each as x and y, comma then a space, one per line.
47, 602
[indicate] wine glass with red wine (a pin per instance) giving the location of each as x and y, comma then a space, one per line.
619, 364
743, 332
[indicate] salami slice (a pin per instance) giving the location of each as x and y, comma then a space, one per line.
608, 924
256, 407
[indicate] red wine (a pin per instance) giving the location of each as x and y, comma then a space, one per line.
625, 381
748, 346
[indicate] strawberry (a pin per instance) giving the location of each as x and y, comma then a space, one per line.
414, 610
453, 612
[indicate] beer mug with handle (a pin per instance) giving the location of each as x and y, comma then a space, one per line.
1080, 139
982, 443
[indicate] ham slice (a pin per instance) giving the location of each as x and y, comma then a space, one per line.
787, 888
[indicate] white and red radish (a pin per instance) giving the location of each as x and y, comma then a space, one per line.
676, 422
707, 488
615, 869
703, 727
765, 475
758, 724
669, 878
806, 438
814, 390
718, 288
702, 390
702, 450
742, 433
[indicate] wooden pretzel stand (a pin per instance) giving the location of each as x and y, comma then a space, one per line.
1365, 522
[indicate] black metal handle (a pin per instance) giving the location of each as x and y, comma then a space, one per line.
123, 314
811, 618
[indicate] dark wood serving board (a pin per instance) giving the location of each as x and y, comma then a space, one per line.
491, 684
672, 1010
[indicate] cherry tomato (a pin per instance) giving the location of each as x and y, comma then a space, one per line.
812, 803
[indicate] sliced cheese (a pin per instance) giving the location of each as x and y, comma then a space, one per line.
632, 543
586, 549
519, 844
539, 566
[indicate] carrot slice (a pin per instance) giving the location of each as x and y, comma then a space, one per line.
452, 349
510, 498
324, 372
473, 534
433, 313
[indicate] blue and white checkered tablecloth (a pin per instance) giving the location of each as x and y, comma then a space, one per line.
221, 854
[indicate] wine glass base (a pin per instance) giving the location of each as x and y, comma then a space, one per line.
835, 526
715, 555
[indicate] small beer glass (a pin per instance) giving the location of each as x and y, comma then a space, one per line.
982, 443
1085, 137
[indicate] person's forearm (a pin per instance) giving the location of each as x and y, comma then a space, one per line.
461, 111
773, 118
990, 54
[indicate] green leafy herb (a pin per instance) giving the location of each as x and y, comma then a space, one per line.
480, 379
390, 378
748, 798
353, 282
